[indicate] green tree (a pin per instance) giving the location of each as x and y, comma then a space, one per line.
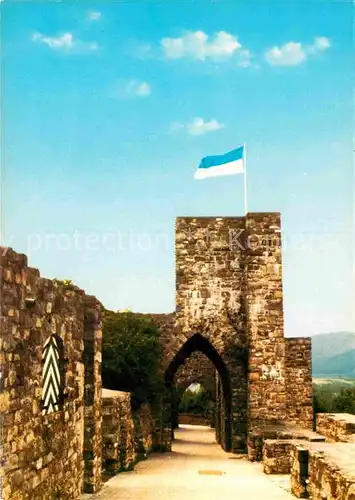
196, 401
131, 355
334, 397
322, 399
344, 402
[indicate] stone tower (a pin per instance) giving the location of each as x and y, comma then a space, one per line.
229, 306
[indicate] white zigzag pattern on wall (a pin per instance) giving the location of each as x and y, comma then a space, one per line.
50, 376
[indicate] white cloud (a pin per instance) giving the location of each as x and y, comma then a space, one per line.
126, 89
294, 53
93, 15
197, 45
197, 126
289, 54
65, 42
320, 43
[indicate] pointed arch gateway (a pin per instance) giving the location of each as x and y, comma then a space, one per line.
199, 343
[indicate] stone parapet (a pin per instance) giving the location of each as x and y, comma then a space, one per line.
281, 432
323, 471
277, 455
336, 426
331, 473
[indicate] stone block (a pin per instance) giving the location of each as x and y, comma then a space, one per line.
277, 456
323, 471
337, 427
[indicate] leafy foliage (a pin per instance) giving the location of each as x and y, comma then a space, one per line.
63, 282
196, 401
131, 355
334, 397
345, 401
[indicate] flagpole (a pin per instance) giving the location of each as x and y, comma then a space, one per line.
245, 181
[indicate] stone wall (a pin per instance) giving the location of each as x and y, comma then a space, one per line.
331, 473
323, 471
144, 429
229, 319
229, 291
92, 395
194, 419
127, 445
276, 456
337, 426
267, 373
197, 369
44, 453
117, 431
299, 381
275, 432
126, 438
111, 430
209, 292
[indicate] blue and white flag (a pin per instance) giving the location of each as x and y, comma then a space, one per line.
231, 163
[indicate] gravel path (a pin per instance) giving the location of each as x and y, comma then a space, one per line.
197, 468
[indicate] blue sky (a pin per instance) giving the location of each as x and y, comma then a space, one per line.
108, 108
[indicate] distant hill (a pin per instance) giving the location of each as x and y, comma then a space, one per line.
333, 355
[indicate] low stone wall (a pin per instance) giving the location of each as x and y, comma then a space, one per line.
144, 428
126, 438
127, 446
277, 456
193, 419
323, 471
330, 476
111, 427
277, 432
117, 431
336, 426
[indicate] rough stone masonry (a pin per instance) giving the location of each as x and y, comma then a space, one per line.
58, 450
229, 306
52, 454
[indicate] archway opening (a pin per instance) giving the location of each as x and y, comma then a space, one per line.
223, 405
195, 406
